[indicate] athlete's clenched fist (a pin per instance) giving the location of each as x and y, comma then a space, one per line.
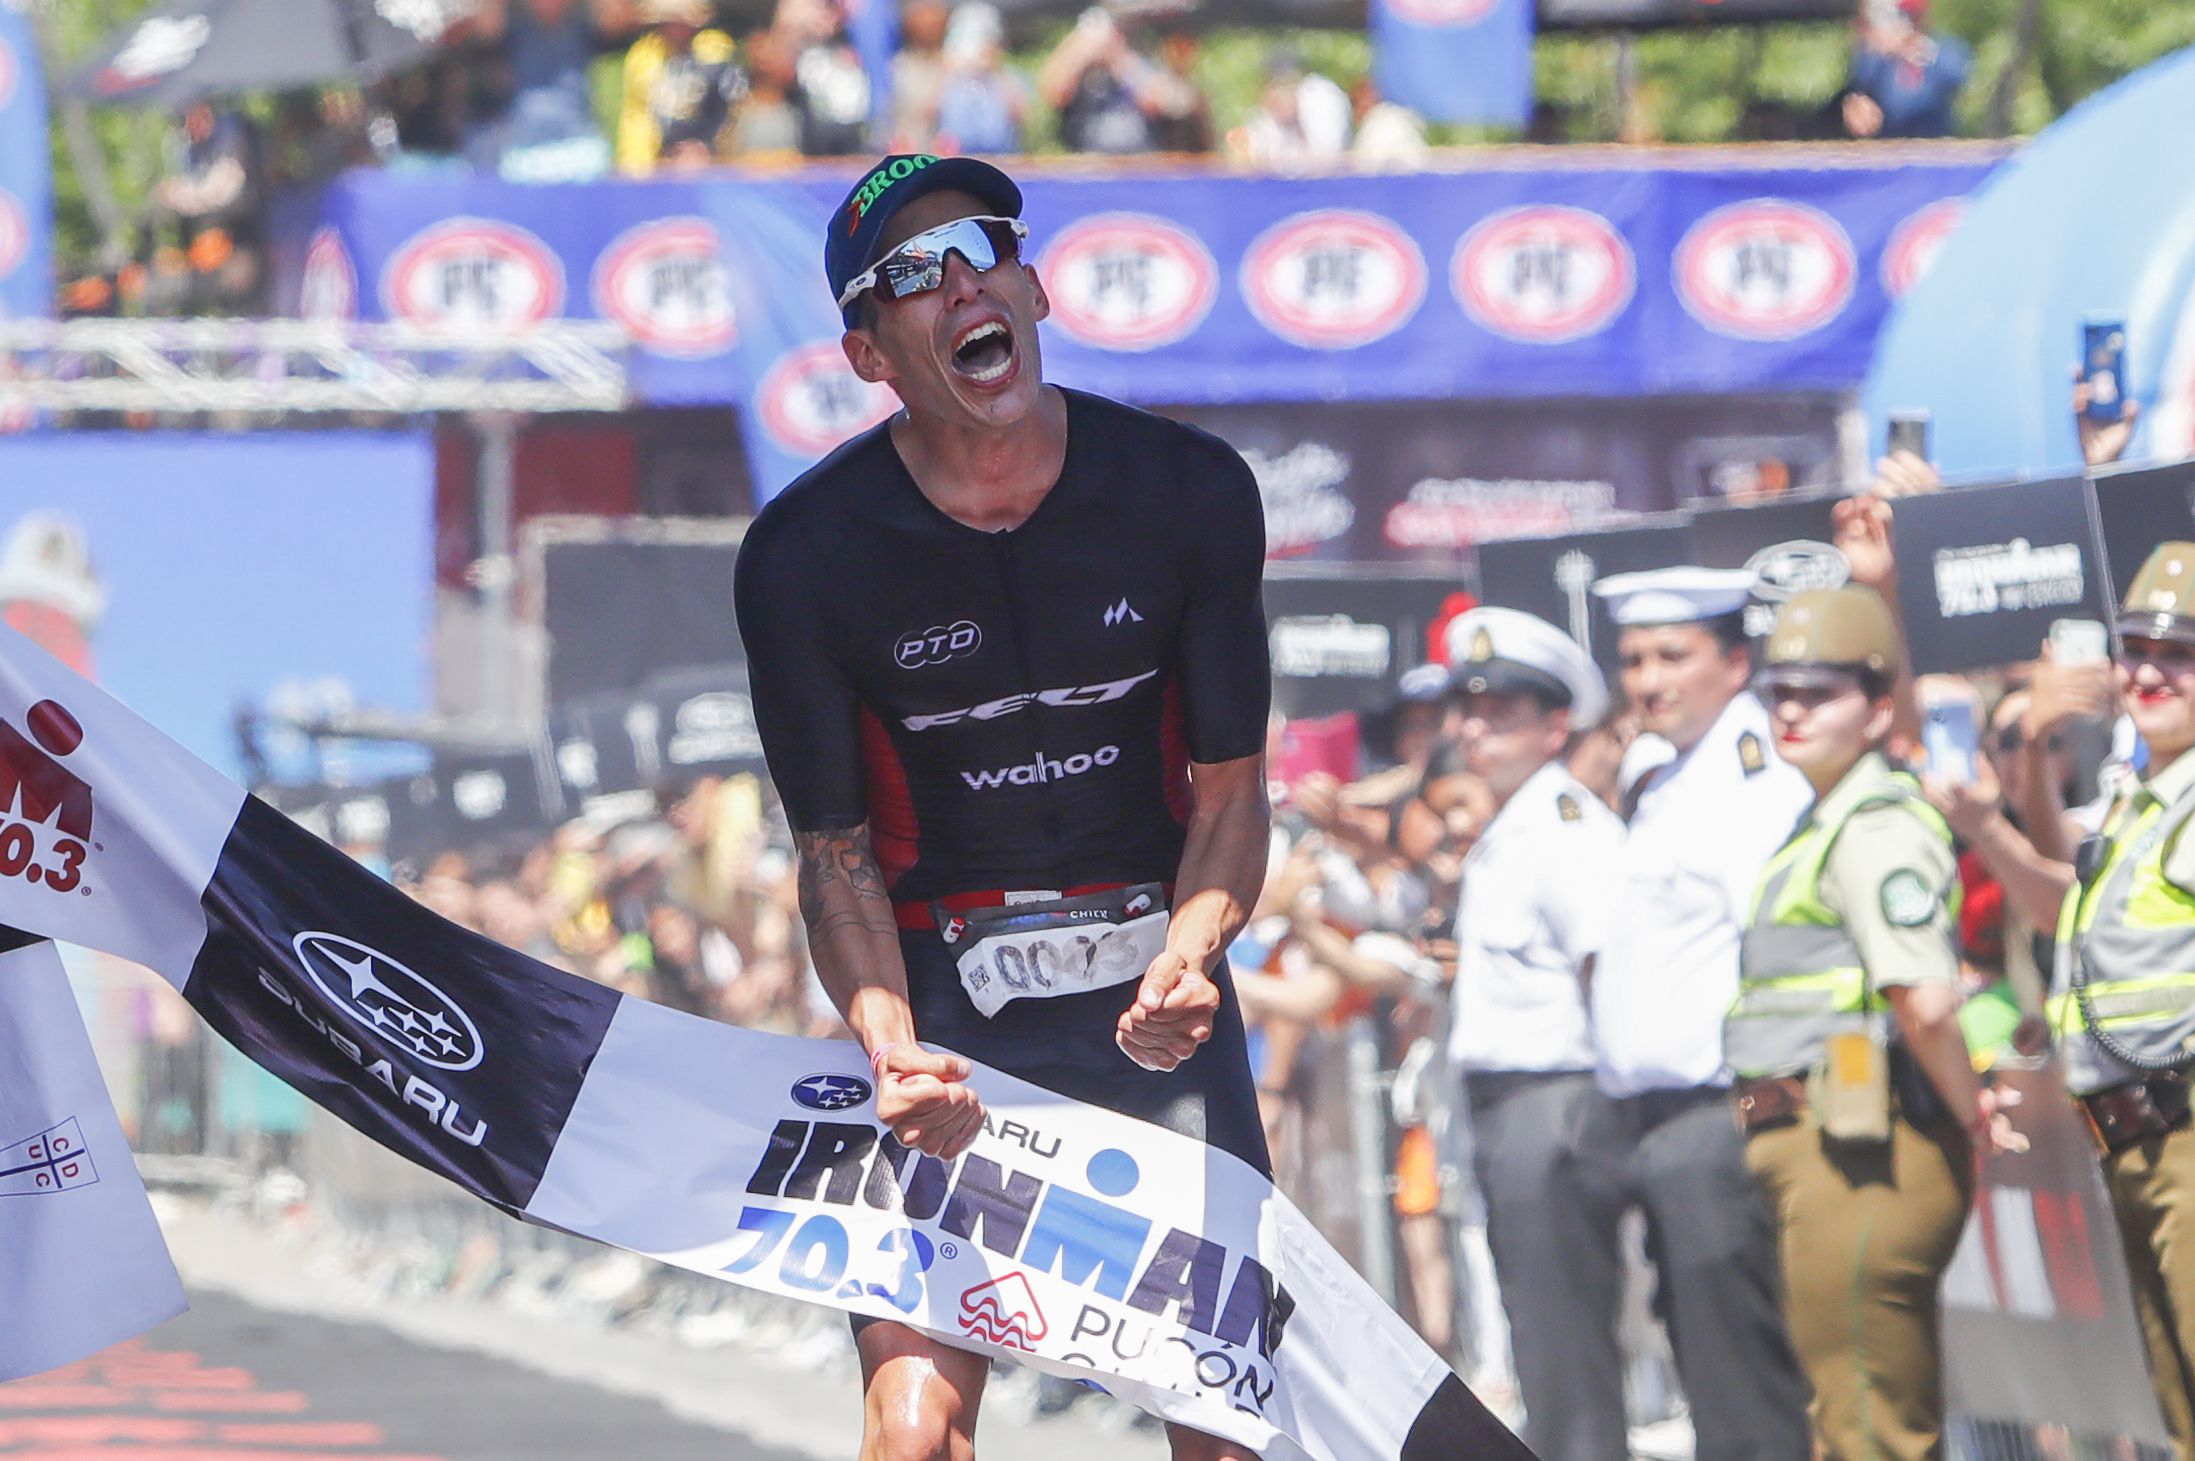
1172, 1014
920, 1098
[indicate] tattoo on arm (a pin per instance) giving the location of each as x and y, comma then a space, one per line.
840, 884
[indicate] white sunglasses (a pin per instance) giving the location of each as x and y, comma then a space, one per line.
919, 263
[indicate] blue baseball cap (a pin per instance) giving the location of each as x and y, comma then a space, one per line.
859, 221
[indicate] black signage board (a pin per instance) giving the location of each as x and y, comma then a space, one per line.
1984, 571
1788, 544
1341, 635
1553, 577
2139, 508
469, 800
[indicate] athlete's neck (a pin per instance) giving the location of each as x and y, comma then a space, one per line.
989, 477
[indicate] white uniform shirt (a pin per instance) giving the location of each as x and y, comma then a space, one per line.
1533, 910
1707, 822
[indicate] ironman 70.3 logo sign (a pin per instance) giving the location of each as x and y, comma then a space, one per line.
1334, 279
1544, 274
1128, 281
1766, 269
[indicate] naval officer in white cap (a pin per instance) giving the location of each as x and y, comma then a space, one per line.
1533, 917
1706, 814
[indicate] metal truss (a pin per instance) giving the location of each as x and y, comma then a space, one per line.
303, 366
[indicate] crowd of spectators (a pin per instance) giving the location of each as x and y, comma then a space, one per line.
567, 90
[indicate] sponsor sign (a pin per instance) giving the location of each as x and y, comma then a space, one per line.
711, 728
1453, 513
1128, 281
1553, 577
1302, 491
328, 288
1340, 638
1983, 571
1788, 544
473, 274
811, 401
1544, 274
665, 283
1767, 269
2138, 508
1333, 279
1914, 244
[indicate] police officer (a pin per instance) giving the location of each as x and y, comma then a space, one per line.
1706, 816
1853, 1081
1531, 919
2123, 995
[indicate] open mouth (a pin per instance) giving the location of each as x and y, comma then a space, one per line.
985, 354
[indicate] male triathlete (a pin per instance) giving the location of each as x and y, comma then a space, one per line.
1009, 666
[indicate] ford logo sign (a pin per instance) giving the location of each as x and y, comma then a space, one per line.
831, 1092
1792, 568
396, 1006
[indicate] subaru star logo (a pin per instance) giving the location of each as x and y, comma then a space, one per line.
396, 1005
831, 1092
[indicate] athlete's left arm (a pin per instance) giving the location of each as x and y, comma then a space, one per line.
1226, 687
1222, 868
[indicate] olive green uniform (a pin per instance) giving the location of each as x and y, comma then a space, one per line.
1860, 900
2129, 929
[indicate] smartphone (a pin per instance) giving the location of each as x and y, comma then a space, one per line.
2079, 642
1909, 432
1951, 739
2103, 349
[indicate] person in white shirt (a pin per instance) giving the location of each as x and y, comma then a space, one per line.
1531, 920
1709, 808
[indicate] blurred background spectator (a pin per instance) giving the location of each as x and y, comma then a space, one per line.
680, 83
1904, 79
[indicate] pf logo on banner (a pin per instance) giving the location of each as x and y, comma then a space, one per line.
1544, 275
473, 274
45, 808
1765, 270
1914, 244
1334, 279
1004, 1312
811, 401
52, 1161
1128, 281
665, 283
396, 1006
328, 287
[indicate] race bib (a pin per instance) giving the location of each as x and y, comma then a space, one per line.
1044, 948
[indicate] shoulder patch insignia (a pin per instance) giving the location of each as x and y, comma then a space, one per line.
1751, 754
1568, 806
1907, 900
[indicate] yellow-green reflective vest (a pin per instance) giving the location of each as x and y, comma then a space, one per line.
2134, 934
1801, 979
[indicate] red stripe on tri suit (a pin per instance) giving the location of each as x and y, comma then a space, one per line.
1173, 746
894, 831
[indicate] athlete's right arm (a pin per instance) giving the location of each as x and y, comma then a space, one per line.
809, 718
855, 945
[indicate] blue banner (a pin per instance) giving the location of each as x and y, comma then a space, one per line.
26, 184
1188, 289
1455, 60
